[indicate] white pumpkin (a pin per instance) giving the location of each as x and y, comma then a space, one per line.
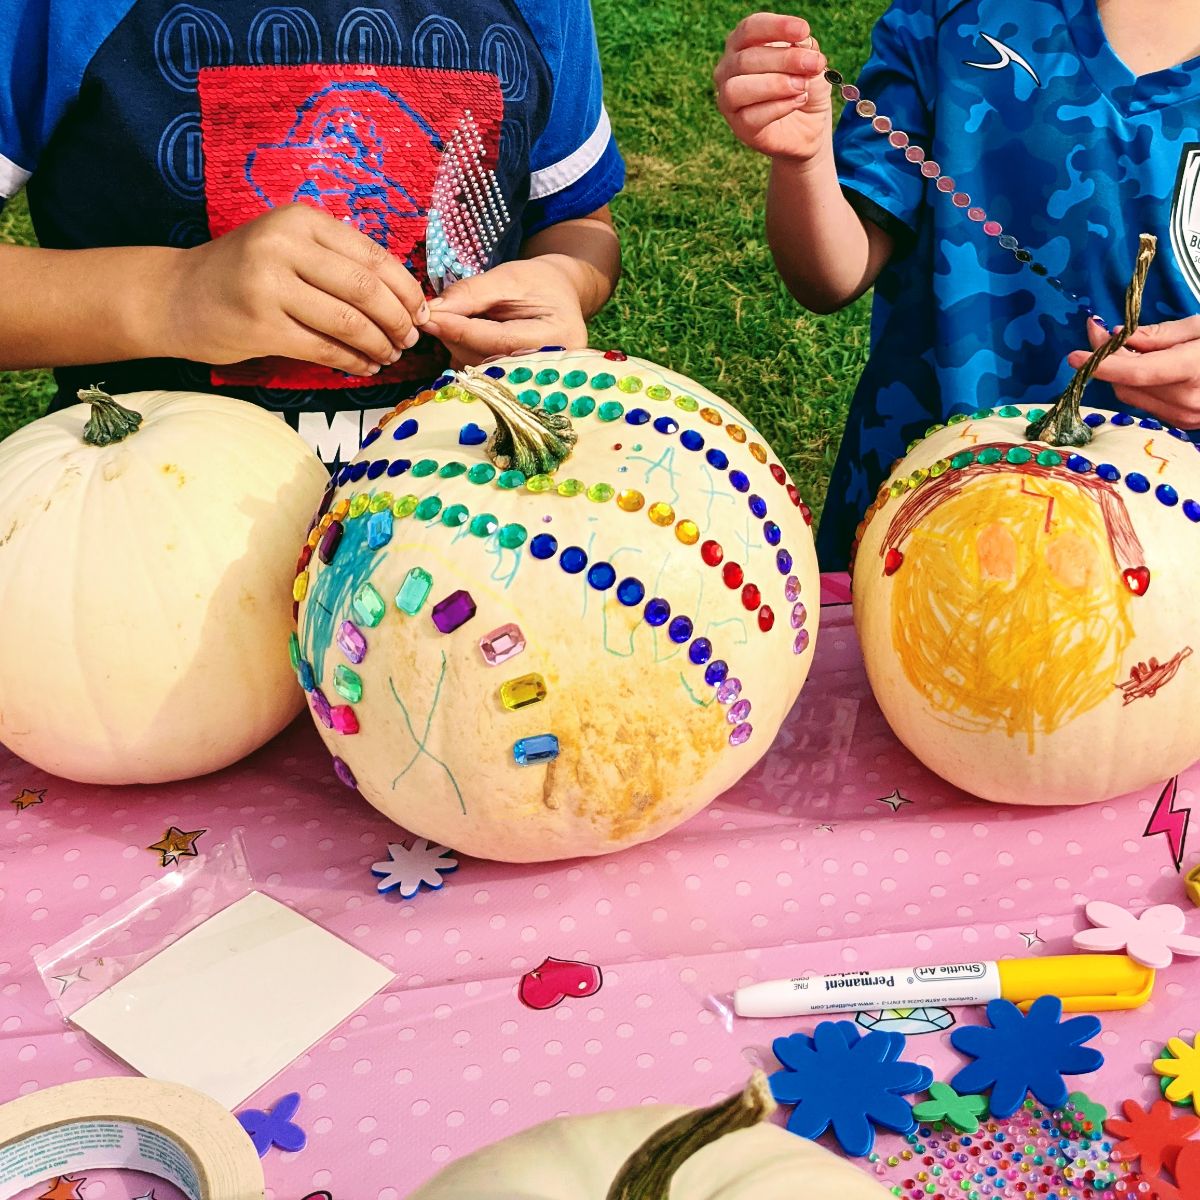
564, 657
1028, 612
145, 584
657, 1153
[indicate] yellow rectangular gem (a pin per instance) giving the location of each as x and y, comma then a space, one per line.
522, 691
300, 587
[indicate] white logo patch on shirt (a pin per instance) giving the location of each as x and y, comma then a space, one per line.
1008, 56
1185, 217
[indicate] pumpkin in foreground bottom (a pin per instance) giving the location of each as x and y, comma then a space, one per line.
655, 1152
1028, 611
566, 638
146, 554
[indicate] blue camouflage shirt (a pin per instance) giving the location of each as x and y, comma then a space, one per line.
1026, 106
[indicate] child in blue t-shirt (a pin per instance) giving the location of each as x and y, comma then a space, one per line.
1063, 129
315, 206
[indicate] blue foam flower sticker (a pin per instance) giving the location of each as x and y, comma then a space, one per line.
274, 1126
838, 1078
1018, 1053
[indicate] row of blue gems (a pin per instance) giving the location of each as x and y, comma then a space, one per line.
373, 470
1096, 419
656, 613
1134, 481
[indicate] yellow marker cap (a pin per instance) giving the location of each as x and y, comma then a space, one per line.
1083, 982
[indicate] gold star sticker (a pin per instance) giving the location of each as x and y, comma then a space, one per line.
28, 797
894, 800
176, 844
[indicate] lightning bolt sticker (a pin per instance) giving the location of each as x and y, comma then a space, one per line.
1171, 821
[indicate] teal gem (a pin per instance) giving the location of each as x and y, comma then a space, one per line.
428, 508
582, 406
379, 529
510, 479
368, 605
574, 379
610, 410
455, 515
414, 591
347, 683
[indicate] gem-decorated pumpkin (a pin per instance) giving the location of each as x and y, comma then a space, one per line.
649, 1153
147, 553
1025, 595
555, 606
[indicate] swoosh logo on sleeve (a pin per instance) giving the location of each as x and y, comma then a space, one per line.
1008, 56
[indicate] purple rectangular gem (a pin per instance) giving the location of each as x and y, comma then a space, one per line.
351, 642
457, 609
327, 547
320, 707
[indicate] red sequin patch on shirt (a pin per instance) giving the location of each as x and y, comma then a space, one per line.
361, 143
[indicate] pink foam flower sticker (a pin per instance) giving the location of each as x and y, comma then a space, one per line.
1153, 937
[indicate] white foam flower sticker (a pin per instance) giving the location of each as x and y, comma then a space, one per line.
1152, 937
407, 867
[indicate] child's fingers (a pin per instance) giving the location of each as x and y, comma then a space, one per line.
471, 339
743, 91
765, 60
344, 239
1168, 333
325, 314
361, 288
1159, 368
767, 27
310, 345
758, 116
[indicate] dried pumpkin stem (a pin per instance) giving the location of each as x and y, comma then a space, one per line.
532, 441
1063, 425
110, 422
649, 1170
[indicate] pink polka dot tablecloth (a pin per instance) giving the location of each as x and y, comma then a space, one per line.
838, 851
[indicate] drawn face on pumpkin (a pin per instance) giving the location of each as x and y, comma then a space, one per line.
1003, 584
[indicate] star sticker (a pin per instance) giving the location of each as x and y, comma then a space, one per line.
894, 800
407, 867
826, 828
148, 1196
176, 844
1033, 939
65, 981
65, 1187
28, 797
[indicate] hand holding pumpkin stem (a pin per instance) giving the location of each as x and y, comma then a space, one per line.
1063, 425
532, 441
649, 1170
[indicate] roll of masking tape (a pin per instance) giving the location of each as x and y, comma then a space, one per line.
136, 1124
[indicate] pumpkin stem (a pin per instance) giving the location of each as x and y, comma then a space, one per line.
648, 1172
110, 422
528, 440
1063, 425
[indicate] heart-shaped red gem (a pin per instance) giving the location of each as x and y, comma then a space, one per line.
892, 561
555, 980
1137, 579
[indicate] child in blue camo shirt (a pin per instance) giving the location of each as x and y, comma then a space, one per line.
1069, 125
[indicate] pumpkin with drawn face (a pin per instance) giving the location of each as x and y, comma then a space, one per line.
555, 606
1024, 591
1028, 613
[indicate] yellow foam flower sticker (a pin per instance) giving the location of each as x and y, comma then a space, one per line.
1183, 1070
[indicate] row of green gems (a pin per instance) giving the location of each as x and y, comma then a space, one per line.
453, 516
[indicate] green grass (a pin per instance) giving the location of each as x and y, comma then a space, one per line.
699, 292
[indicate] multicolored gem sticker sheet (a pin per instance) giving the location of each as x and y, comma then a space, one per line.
527, 992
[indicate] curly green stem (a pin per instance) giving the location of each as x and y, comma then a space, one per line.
528, 440
648, 1172
110, 422
1063, 425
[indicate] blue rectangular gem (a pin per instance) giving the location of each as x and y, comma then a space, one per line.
540, 748
379, 529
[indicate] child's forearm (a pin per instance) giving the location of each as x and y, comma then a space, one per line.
588, 250
67, 307
825, 252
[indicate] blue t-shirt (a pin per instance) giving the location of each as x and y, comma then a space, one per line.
449, 132
1026, 106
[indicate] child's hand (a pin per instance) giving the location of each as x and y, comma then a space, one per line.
518, 305
771, 88
298, 283
1162, 378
